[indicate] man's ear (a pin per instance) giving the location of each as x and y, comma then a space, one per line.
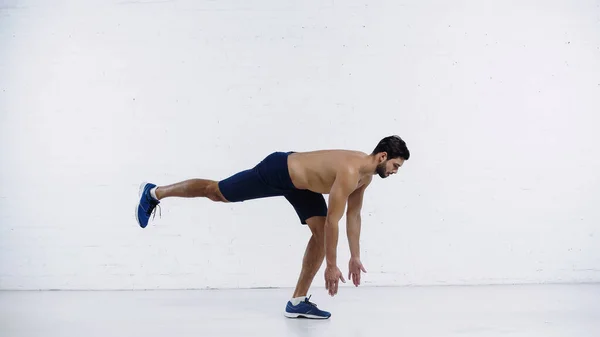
382, 156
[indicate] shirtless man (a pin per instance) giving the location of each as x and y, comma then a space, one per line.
302, 178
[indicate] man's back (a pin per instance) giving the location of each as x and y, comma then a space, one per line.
317, 170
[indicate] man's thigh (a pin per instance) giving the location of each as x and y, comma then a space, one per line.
246, 185
307, 204
268, 178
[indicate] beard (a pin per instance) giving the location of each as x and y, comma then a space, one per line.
381, 170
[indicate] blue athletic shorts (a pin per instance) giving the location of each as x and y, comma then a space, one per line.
271, 178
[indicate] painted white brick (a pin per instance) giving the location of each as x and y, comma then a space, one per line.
497, 102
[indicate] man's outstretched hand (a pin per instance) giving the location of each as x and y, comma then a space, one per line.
354, 269
332, 277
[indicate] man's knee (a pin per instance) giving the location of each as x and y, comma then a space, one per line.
317, 227
214, 193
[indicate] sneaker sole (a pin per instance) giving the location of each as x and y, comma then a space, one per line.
141, 190
296, 315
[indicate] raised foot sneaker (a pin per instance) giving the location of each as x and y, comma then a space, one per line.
305, 309
146, 206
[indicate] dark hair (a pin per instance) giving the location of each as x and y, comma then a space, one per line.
394, 146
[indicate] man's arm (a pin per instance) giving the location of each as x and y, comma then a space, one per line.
345, 182
353, 219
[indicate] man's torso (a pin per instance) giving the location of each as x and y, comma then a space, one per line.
317, 170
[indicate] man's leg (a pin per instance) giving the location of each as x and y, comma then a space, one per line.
245, 185
192, 188
150, 195
299, 305
312, 211
313, 256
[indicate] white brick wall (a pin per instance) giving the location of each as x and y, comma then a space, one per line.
497, 102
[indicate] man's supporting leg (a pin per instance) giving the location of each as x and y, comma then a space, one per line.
192, 188
299, 305
313, 256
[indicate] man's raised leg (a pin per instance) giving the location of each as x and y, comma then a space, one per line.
192, 188
150, 195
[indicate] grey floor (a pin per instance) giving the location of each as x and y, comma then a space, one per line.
531, 310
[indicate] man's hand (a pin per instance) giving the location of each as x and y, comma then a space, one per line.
332, 277
354, 269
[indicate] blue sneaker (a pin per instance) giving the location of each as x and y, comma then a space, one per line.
305, 309
147, 205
